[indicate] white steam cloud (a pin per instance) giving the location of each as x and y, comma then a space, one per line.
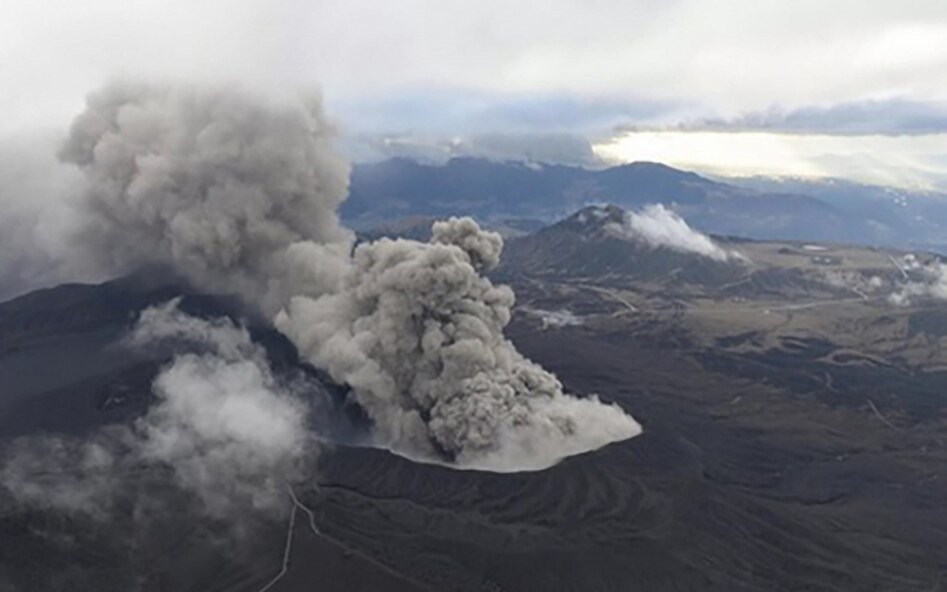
861, 284
553, 319
239, 193
67, 473
658, 227
231, 432
927, 281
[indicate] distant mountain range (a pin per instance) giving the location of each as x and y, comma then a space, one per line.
500, 193
917, 218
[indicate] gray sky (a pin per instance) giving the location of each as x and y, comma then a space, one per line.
675, 80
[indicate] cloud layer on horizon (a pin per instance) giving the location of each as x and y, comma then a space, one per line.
890, 117
402, 80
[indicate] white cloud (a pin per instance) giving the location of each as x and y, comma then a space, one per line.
909, 161
554, 319
658, 227
927, 281
693, 58
686, 51
232, 432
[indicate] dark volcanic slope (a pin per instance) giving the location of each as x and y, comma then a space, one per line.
65, 373
736, 484
61, 366
714, 496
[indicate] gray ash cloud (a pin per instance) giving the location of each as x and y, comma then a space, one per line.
238, 193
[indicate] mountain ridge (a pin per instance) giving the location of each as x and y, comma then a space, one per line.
402, 188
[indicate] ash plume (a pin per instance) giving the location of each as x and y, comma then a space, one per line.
238, 193
417, 332
217, 183
35, 200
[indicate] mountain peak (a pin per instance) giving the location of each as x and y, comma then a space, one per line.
596, 217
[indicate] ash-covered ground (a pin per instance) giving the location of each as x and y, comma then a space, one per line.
790, 442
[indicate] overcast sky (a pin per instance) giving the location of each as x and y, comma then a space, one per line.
826, 87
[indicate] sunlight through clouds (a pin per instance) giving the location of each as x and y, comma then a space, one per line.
907, 161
